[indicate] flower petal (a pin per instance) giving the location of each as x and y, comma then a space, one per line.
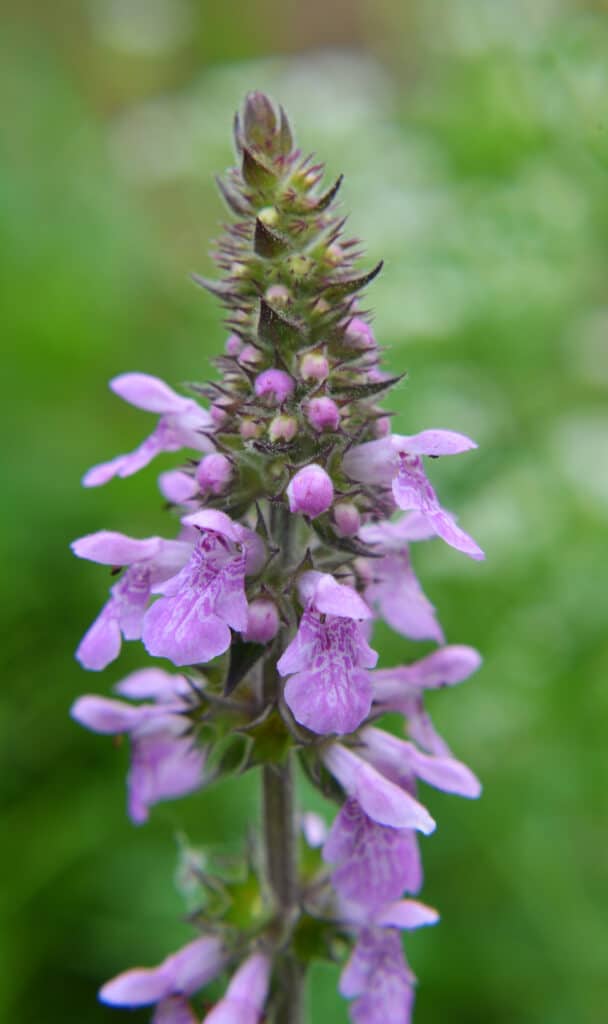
149, 393
109, 548
102, 642
106, 716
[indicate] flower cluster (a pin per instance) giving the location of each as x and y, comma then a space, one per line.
296, 509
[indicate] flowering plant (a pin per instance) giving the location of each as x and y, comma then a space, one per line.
287, 549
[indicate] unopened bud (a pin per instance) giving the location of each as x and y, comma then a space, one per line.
250, 356
283, 428
269, 216
360, 335
275, 385
347, 519
323, 414
314, 366
382, 426
311, 491
300, 266
219, 415
214, 473
334, 254
259, 119
262, 621
278, 295
233, 345
250, 429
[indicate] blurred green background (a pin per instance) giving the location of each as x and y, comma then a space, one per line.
474, 139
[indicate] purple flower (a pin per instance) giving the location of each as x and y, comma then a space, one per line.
192, 620
169, 984
246, 994
377, 973
380, 798
164, 762
379, 979
329, 690
310, 491
401, 762
181, 425
397, 461
376, 864
395, 592
402, 688
149, 562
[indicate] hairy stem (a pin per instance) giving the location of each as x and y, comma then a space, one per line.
280, 825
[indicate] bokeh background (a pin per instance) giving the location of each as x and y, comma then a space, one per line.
474, 139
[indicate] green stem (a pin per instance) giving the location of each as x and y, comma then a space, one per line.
280, 832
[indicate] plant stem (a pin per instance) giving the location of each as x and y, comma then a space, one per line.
280, 833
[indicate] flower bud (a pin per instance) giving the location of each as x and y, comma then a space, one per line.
314, 366
382, 426
311, 491
233, 345
274, 384
250, 429
218, 414
250, 356
360, 335
334, 254
323, 414
283, 428
277, 295
269, 215
347, 519
259, 119
214, 473
262, 621
300, 266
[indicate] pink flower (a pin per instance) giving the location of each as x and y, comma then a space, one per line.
246, 994
192, 620
375, 863
169, 984
402, 688
329, 690
148, 562
396, 461
164, 762
181, 425
381, 799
